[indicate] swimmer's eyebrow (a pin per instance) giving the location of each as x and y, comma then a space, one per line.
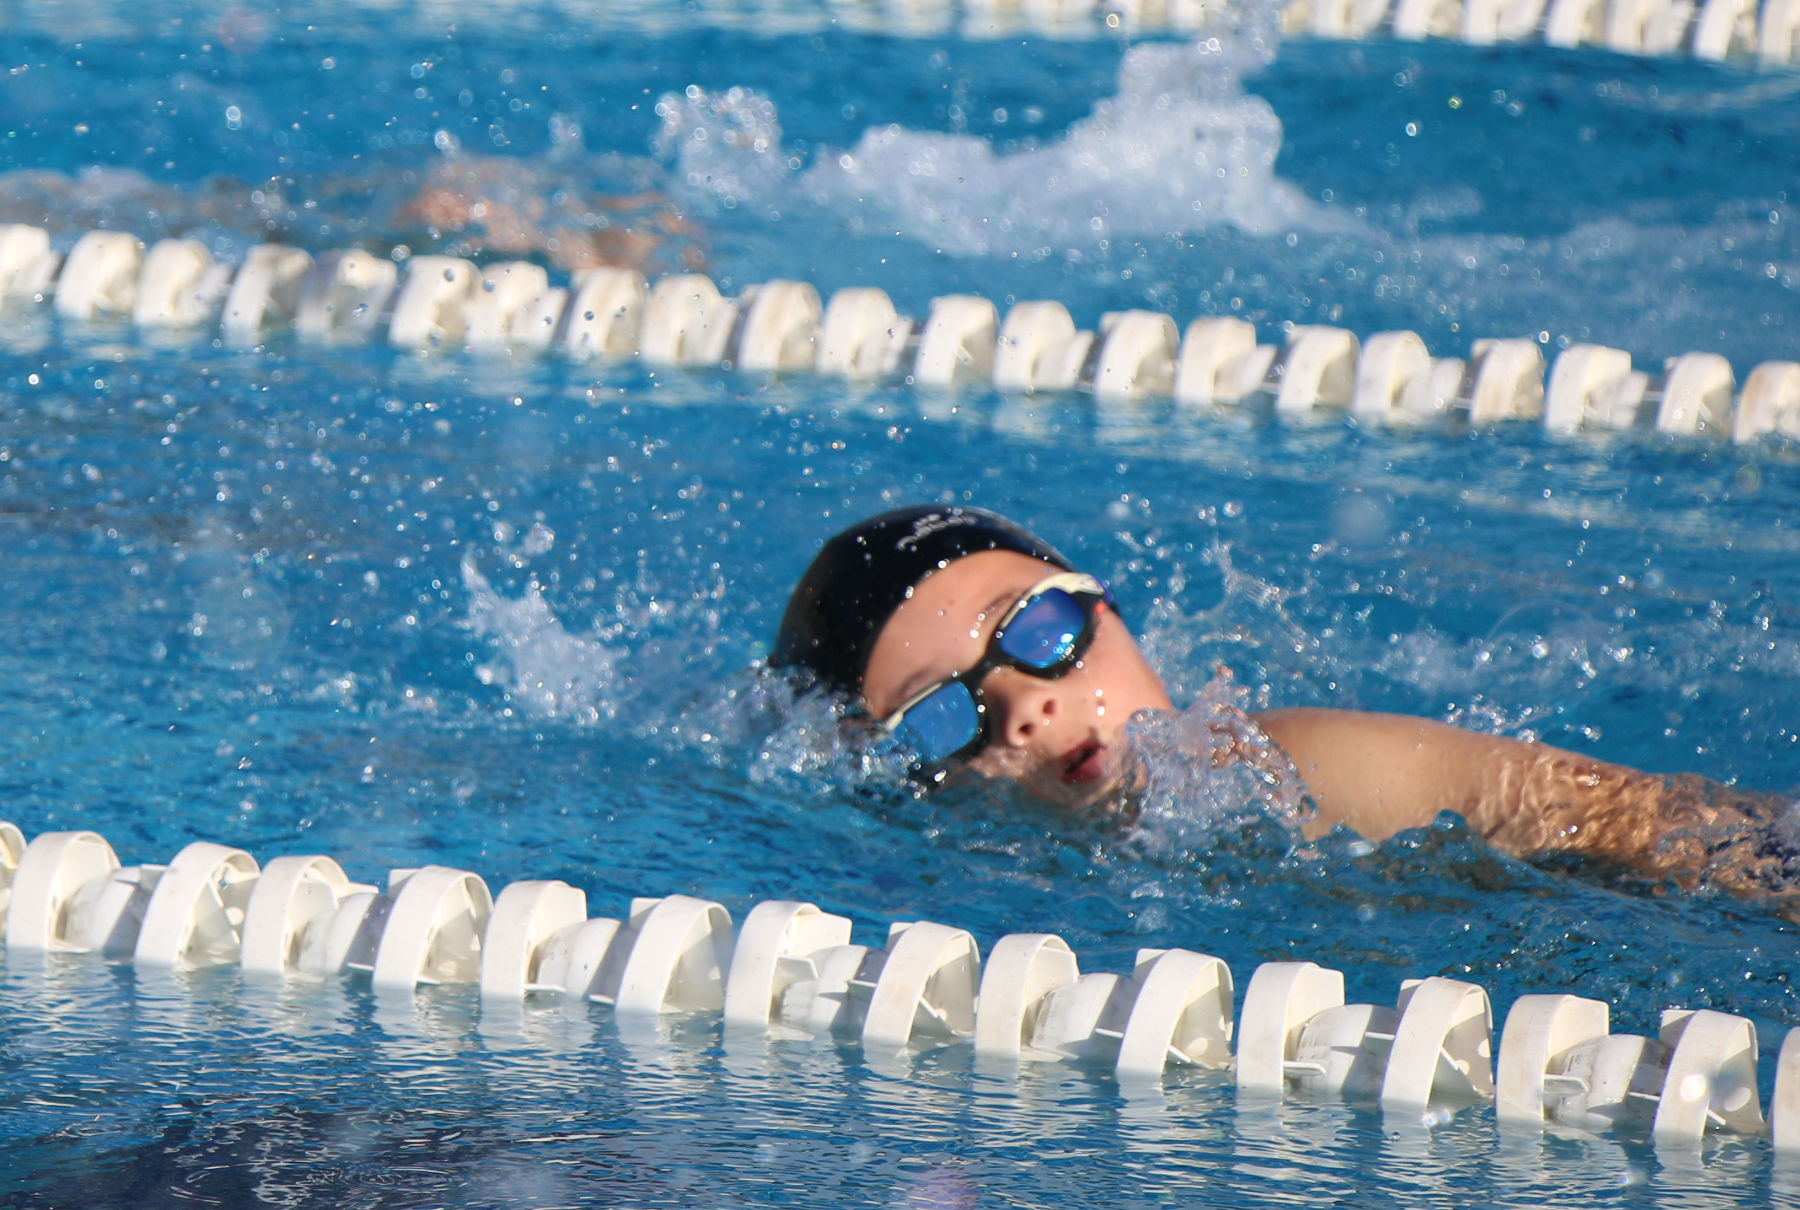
1006, 598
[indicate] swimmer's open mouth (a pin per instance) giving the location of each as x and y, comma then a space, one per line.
1085, 763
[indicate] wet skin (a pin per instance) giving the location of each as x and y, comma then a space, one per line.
1062, 739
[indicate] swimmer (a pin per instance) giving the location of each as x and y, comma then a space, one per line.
500, 206
982, 649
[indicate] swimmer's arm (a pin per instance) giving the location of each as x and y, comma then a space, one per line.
1380, 773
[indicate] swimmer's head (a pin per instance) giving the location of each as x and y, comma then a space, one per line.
978, 644
864, 574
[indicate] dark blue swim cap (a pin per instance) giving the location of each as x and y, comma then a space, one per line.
863, 574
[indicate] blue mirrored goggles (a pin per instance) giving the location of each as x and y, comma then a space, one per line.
1044, 634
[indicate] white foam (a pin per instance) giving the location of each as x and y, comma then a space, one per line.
1209, 766
547, 671
1179, 147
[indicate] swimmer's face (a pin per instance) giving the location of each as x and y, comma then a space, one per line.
1062, 739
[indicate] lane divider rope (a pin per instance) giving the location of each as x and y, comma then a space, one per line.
512, 307
791, 971
1761, 32
1714, 30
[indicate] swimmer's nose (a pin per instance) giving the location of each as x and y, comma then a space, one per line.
1029, 708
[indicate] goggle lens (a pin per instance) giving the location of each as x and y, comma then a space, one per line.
941, 724
1046, 631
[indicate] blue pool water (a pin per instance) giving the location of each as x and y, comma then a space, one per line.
504, 613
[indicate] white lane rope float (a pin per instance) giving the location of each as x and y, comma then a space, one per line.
1757, 32
1216, 362
791, 972
1767, 33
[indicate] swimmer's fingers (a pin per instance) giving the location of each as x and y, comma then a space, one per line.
1232, 725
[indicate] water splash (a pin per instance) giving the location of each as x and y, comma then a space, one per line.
725, 145
805, 743
801, 745
544, 669
1181, 146
1197, 778
1251, 624
1209, 770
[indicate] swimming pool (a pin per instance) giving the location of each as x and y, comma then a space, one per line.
499, 612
